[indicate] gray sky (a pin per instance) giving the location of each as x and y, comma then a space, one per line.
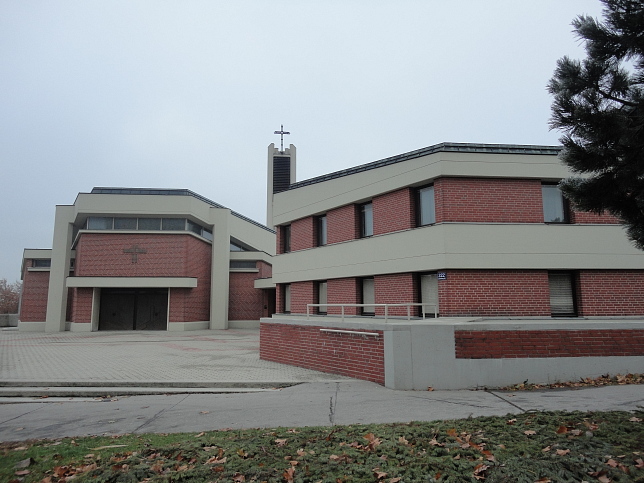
187, 94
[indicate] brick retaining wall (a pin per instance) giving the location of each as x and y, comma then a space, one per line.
349, 355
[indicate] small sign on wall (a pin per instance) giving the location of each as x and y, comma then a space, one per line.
442, 276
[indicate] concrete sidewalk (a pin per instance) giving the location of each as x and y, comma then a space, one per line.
307, 404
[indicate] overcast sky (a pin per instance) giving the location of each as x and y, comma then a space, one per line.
187, 94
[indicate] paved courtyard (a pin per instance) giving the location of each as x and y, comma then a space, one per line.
197, 357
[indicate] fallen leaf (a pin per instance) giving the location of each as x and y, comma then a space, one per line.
562, 430
563, 452
403, 441
379, 474
640, 463
239, 477
199, 435
529, 432
511, 421
22, 473
395, 480
204, 412
546, 449
604, 479
635, 420
281, 442
544, 480
216, 461
22, 448
289, 474
612, 462
242, 453
430, 388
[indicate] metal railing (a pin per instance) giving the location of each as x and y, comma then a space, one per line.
386, 306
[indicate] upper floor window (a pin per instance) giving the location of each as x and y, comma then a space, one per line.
321, 230
555, 206
426, 206
366, 220
286, 238
41, 263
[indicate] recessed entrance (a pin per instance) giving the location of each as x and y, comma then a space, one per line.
133, 309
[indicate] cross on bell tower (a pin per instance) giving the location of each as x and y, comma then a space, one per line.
281, 132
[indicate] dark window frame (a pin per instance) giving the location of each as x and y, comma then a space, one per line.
285, 235
321, 311
362, 309
565, 206
362, 222
573, 288
419, 210
321, 230
284, 289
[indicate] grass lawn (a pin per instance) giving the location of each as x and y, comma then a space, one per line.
531, 447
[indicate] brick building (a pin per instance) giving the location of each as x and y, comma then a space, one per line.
481, 235
146, 259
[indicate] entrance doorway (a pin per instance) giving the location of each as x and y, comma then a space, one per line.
133, 309
429, 294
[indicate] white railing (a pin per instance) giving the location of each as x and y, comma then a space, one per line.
386, 306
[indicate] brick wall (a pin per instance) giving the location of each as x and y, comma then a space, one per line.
343, 291
342, 224
303, 234
33, 302
356, 356
265, 269
279, 248
82, 305
396, 288
245, 302
494, 293
593, 218
302, 293
511, 344
393, 211
279, 298
488, 200
611, 292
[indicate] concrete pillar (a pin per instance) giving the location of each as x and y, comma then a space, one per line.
220, 272
60, 259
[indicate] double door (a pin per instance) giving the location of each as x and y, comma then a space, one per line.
133, 309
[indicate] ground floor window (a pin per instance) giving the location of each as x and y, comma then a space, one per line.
286, 298
562, 294
322, 297
429, 294
368, 296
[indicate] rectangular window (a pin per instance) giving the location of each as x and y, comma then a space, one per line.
243, 264
366, 220
149, 223
207, 234
426, 206
173, 224
286, 238
194, 227
287, 298
368, 296
562, 294
555, 206
41, 263
99, 223
322, 297
321, 230
125, 223
429, 294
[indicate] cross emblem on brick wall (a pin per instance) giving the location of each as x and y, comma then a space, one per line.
135, 250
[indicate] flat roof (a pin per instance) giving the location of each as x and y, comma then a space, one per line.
442, 147
172, 192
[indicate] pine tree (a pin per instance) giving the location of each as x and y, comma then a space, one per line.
599, 106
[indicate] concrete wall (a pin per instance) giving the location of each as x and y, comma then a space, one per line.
458, 353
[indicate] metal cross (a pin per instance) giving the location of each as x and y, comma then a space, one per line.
281, 132
135, 250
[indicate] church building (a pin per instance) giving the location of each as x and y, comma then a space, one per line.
148, 259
